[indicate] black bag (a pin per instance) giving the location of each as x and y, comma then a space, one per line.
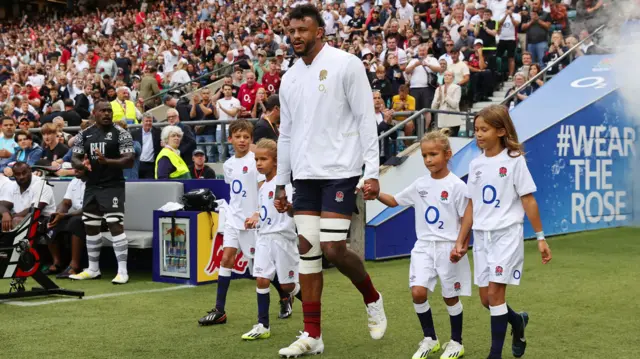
202, 200
432, 78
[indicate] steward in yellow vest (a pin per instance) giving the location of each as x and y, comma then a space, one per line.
126, 112
181, 171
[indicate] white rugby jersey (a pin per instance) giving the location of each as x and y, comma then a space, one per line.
242, 176
495, 185
439, 206
327, 120
272, 221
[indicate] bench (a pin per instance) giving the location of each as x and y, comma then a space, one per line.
142, 198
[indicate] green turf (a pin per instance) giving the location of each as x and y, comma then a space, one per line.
582, 305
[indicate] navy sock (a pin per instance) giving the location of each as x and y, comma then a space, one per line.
423, 310
223, 287
276, 284
263, 306
514, 317
455, 317
499, 320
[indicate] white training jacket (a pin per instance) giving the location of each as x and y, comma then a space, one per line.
328, 128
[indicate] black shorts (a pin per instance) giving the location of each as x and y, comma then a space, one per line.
333, 195
103, 200
74, 226
423, 95
508, 46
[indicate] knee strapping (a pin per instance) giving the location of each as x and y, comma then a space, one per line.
114, 217
334, 229
309, 228
91, 220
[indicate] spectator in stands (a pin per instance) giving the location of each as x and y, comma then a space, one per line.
481, 82
423, 81
67, 220
271, 79
486, 30
26, 151
534, 70
384, 119
395, 74
382, 84
149, 88
187, 138
247, 93
403, 102
132, 173
69, 115
204, 110
198, 170
258, 107
53, 150
519, 80
227, 109
170, 163
459, 69
447, 98
507, 26
557, 48
537, 29
526, 64
123, 109
7, 142
149, 138
267, 125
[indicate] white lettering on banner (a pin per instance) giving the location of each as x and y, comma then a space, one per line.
596, 82
593, 170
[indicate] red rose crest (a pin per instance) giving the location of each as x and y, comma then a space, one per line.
503, 171
444, 196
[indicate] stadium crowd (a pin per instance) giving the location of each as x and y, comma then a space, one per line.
418, 54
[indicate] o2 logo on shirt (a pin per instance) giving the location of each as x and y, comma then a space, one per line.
263, 215
490, 195
236, 188
432, 215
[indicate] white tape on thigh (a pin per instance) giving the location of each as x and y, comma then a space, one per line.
334, 229
309, 228
91, 219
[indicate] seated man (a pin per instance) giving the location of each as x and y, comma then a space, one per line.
68, 219
17, 197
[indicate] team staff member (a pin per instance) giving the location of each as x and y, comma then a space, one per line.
149, 137
169, 164
18, 196
104, 150
327, 133
123, 109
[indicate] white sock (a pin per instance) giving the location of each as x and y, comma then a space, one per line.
94, 245
121, 248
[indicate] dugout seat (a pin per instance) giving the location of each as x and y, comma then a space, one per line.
142, 198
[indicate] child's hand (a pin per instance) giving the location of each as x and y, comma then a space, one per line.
251, 222
457, 253
545, 251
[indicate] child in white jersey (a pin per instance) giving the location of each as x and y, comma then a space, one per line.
242, 176
439, 201
276, 247
500, 191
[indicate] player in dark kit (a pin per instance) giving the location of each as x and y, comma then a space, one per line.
104, 150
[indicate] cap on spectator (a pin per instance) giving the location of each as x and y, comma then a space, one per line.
279, 52
478, 41
209, 38
24, 119
365, 52
262, 52
198, 152
272, 102
29, 83
479, 6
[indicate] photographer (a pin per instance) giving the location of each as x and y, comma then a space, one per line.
423, 81
486, 30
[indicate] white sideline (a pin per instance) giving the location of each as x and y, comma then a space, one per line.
22, 303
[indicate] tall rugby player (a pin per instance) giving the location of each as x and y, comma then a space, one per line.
327, 133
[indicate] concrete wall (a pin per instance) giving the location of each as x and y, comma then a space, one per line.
160, 112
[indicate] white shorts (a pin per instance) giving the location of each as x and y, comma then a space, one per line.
240, 239
276, 255
498, 256
430, 261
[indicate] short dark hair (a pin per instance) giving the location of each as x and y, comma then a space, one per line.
272, 102
227, 85
5, 118
241, 125
307, 10
68, 102
24, 133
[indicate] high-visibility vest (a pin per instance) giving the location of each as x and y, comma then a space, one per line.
181, 172
119, 113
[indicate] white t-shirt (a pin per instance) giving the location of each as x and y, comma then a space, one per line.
439, 205
37, 80
242, 176
405, 13
508, 31
4, 184
329, 23
459, 69
400, 54
446, 57
345, 22
107, 26
75, 193
228, 105
81, 65
272, 221
22, 201
495, 185
170, 60
498, 8
419, 77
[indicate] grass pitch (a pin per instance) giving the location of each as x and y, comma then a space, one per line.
582, 305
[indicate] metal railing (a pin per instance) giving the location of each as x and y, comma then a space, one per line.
549, 66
